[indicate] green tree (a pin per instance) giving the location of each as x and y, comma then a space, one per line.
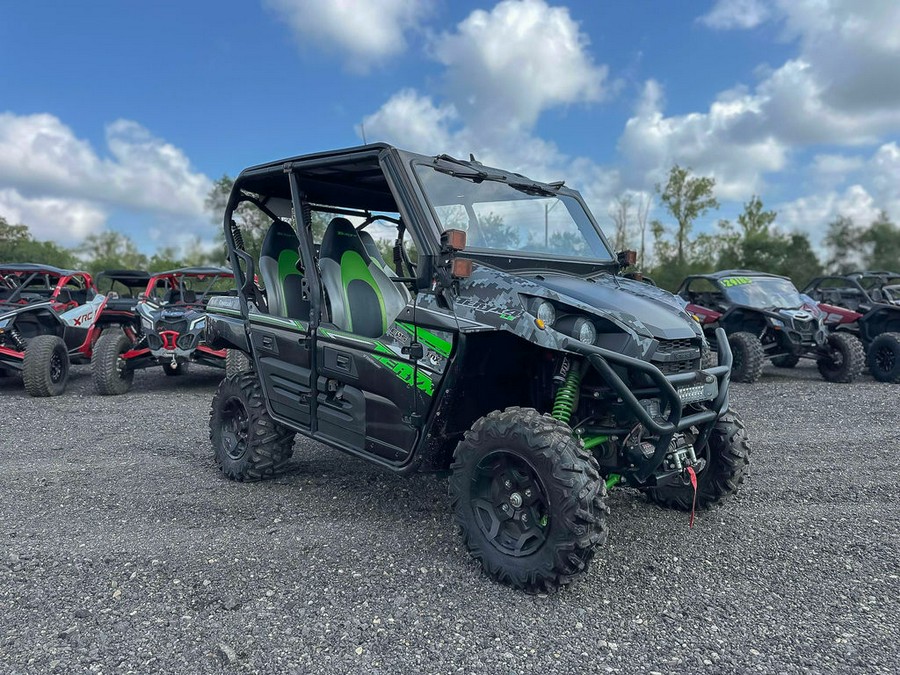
686, 198
111, 250
18, 245
843, 241
881, 243
757, 244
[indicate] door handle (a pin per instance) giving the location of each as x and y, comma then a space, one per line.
343, 361
268, 342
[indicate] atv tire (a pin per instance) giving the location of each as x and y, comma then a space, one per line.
110, 373
849, 361
45, 368
728, 465
180, 368
236, 361
786, 361
748, 355
528, 499
247, 443
884, 358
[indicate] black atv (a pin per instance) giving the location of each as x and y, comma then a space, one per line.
170, 329
49, 318
766, 317
500, 343
867, 305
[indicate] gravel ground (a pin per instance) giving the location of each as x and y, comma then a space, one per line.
123, 549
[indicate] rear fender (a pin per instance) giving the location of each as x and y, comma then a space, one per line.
226, 332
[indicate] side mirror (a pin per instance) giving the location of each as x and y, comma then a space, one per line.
626, 258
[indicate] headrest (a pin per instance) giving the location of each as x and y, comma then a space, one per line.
341, 237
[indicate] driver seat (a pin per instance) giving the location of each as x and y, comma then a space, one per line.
363, 298
278, 260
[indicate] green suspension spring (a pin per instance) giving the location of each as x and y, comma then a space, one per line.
567, 396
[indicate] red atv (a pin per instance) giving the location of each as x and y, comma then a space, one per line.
49, 318
170, 329
867, 305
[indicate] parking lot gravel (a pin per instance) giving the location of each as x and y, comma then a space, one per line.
122, 549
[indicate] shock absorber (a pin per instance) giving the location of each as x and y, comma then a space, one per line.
567, 395
237, 236
17, 338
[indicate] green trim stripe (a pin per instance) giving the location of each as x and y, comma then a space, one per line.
281, 322
222, 310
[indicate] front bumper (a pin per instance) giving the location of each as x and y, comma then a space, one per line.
672, 389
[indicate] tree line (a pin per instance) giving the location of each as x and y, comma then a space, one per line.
754, 241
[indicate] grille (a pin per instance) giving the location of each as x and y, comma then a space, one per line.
153, 341
675, 367
669, 346
186, 341
178, 326
677, 356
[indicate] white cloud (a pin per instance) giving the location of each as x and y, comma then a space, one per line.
366, 31
506, 66
503, 69
415, 122
41, 155
727, 14
66, 221
877, 188
711, 143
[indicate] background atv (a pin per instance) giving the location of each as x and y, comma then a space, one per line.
509, 353
171, 332
48, 319
765, 317
867, 305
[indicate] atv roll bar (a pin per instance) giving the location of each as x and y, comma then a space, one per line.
601, 358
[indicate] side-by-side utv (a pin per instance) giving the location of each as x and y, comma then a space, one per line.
435, 314
170, 329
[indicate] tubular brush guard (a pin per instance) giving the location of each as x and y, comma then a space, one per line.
601, 358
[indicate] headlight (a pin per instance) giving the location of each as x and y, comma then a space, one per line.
146, 323
198, 324
4, 323
585, 331
579, 327
544, 311
776, 323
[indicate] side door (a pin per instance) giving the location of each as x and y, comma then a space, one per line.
367, 389
282, 348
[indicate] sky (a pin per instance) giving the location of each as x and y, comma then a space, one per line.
120, 115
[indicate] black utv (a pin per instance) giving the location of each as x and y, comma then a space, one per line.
434, 314
766, 317
867, 305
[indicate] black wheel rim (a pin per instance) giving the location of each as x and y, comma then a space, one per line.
510, 504
57, 370
235, 428
885, 359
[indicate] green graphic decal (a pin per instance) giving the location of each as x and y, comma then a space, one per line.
438, 344
736, 281
405, 371
508, 317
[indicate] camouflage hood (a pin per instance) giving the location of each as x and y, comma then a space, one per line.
492, 298
632, 302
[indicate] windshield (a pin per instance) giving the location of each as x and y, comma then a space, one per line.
522, 219
762, 292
